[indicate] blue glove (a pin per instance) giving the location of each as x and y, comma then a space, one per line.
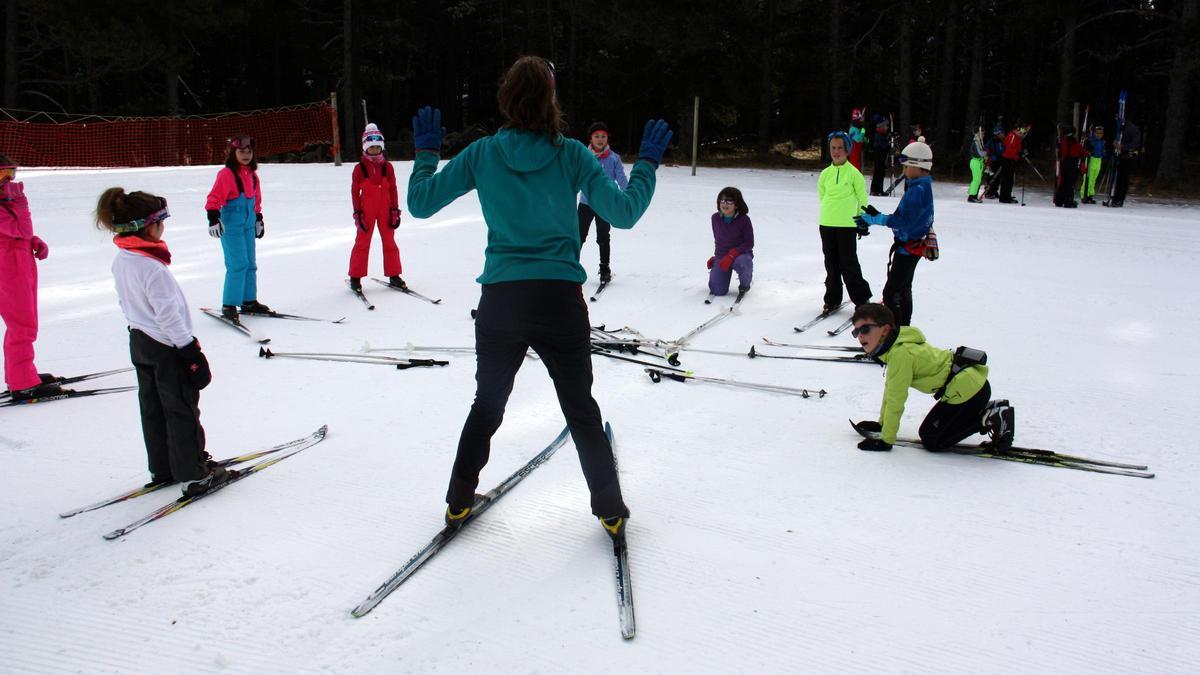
655, 137
871, 219
428, 130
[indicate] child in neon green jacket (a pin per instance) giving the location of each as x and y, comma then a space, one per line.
962, 390
842, 191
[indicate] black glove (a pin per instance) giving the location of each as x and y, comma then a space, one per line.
870, 210
394, 219
358, 221
863, 228
214, 216
195, 364
259, 228
870, 426
874, 445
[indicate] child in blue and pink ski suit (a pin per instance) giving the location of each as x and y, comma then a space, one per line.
234, 208
19, 247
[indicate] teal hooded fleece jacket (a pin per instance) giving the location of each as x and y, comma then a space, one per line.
527, 186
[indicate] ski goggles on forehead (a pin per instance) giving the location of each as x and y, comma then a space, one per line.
864, 329
134, 225
374, 137
240, 142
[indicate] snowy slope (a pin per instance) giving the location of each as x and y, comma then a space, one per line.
762, 539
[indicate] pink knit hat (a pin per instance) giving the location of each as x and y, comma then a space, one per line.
372, 136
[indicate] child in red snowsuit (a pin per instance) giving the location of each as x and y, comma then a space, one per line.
373, 192
19, 246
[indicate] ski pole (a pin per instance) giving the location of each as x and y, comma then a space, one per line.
656, 376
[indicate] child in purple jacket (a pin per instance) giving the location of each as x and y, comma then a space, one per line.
733, 243
610, 161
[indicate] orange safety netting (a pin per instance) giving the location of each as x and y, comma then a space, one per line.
163, 141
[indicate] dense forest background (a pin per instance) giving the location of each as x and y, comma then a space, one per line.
768, 72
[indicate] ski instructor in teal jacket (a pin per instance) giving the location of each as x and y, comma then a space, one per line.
528, 176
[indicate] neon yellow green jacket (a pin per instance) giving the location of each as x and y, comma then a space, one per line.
843, 192
912, 362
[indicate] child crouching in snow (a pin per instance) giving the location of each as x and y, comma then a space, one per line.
171, 369
733, 243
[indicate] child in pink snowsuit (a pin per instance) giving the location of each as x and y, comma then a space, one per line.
373, 193
19, 246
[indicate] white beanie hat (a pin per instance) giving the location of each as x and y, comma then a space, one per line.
372, 136
917, 154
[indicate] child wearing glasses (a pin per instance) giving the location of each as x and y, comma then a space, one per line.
376, 205
733, 243
842, 191
234, 208
19, 250
171, 369
912, 226
610, 161
958, 380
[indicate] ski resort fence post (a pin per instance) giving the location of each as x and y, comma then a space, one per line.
695, 134
333, 120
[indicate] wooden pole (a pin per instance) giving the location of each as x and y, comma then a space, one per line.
337, 143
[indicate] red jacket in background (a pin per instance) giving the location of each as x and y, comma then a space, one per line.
1012, 145
1070, 148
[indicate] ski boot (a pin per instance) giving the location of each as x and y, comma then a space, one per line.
1114, 204
614, 526
455, 519
255, 307
396, 282
356, 284
42, 390
1008, 200
1071, 205
605, 273
229, 312
999, 422
974, 199
1088, 200
216, 477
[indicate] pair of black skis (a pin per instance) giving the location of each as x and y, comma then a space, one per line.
825, 315
273, 455
6, 399
482, 504
1030, 456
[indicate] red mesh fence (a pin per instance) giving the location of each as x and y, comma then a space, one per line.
162, 141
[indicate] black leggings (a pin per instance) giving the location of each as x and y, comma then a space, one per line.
897, 292
552, 318
603, 231
947, 424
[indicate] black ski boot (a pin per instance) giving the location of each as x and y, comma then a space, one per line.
614, 526
396, 282
974, 199
999, 422
255, 307
456, 518
43, 390
605, 273
356, 283
217, 476
1088, 200
229, 312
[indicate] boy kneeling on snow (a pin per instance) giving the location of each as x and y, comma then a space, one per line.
957, 379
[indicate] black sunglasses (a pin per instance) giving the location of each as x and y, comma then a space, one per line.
864, 329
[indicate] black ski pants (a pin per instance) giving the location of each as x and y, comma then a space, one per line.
552, 318
1068, 176
947, 424
603, 230
897, 292
881, 168
170, 407
840, 247
1008, 171
1124, 167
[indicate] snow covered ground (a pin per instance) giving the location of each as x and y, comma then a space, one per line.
762, 539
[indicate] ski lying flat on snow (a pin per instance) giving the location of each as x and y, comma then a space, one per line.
858, 358
361, 296
68, 393
178, 504
292, 317
138, 492
1034, 456
841, 327
599, 289
819, 318
235, 324
447, 534
657, 374
621, 566
831, 348
375, 359
6, 394
407, 291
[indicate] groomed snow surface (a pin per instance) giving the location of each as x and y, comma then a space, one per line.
762, 540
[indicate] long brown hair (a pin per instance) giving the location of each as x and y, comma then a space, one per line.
527, 97
115, 206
